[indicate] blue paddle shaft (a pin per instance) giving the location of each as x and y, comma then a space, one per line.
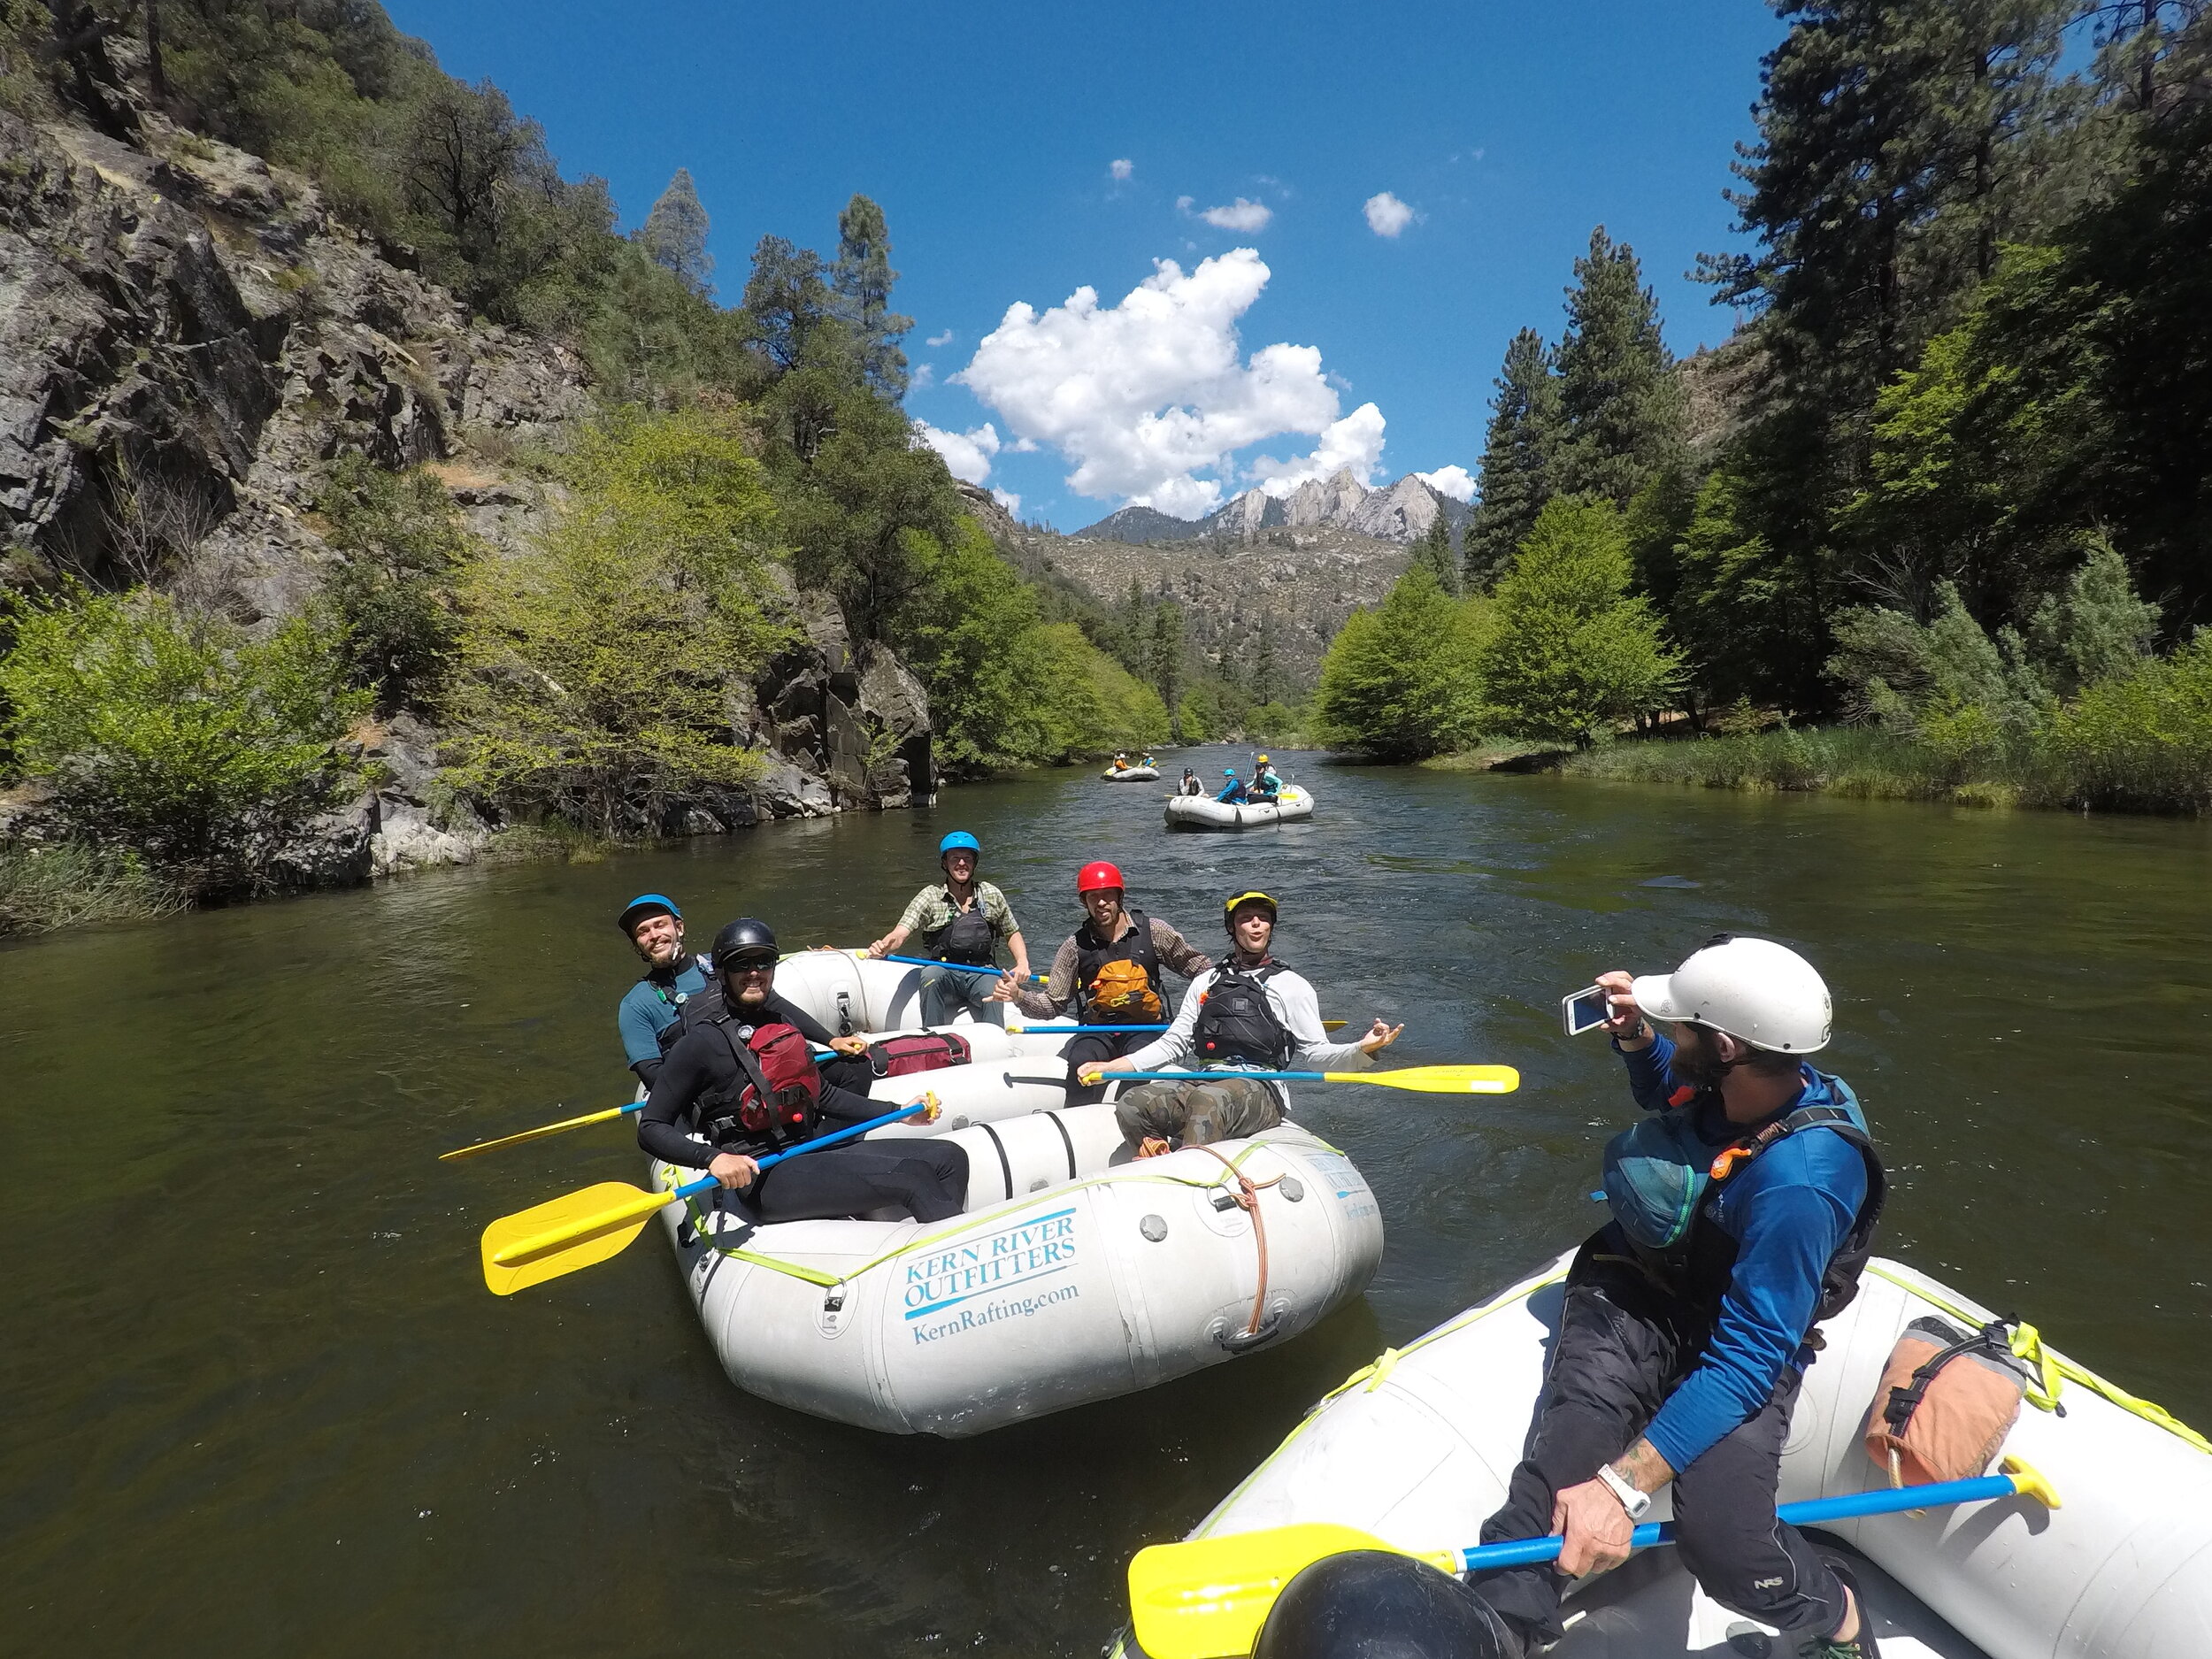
958, 967
1194, 1076
1811, 1512
815, 1145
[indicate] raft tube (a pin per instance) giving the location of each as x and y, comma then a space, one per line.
1131, 774
1072, 1278
1202, 812
1416, 1449
853, 994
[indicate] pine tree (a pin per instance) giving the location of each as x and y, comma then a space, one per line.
675, 234
1621, 406
787, 300
862, 279
1433, 551
1517, 458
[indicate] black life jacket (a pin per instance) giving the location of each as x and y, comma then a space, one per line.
1699, 1268
1120, 999
774, 1097
967, 938
1237, 1025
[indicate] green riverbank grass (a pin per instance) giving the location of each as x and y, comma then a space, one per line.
46, 887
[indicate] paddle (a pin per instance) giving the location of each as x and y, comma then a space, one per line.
1206, 1598
958, 967
1425, 1079
587, 1226
1327, 1025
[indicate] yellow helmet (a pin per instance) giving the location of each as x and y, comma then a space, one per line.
1229, 910
1263, 760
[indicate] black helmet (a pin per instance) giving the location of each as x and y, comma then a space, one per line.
1369, 1602
746, 939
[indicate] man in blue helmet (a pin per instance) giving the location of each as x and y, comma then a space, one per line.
1233, 791
961, 920
654, 928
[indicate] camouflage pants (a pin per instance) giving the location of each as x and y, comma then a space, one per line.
1197, 1114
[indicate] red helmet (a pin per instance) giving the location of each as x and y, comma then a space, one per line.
1095, 878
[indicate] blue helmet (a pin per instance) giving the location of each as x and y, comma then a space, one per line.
1228, 772
959, 841
642, 906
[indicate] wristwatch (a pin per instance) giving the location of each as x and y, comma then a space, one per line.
1631, 1500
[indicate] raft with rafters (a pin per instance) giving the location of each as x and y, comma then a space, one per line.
1203, 812
1074, 1276
1415, 1451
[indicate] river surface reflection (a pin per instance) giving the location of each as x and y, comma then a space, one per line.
259, 1402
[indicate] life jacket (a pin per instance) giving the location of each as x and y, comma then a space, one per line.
1660, 1180
967, 938
1237, 1025
918, 1051
1119, 983
776, 1095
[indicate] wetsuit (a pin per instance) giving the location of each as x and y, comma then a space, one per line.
1703, 1354
927, 1178
653, 1004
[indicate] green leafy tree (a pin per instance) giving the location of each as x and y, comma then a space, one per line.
403, 542
861, 280
602, 672
1621, 407
1569, 653
675, 235
176, 737
1401, 682
787, 300
1514, 480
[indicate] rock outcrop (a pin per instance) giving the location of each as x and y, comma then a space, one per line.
1401, 511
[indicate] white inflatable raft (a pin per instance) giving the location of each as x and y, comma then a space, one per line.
1071, 1280
1131, 774
1417, 1449
1202, 812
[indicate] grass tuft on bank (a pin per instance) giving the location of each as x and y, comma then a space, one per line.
46, 887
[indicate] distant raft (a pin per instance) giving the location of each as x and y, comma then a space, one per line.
1417, 1449
1131, 774
1202, 812
1072, 1278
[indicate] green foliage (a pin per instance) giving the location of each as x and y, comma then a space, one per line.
1433, 553
602, 671
2142, 740
62, 884
403, 541
1620, 406
1569, 652
1517, 458
175, 737
674, 235
2098, 629
1401, 682
861, 280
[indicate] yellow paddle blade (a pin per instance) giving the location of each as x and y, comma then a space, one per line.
1439, 1079
1207, 1597
531, 1134
561, 1236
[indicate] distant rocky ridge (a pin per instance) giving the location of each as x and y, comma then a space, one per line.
188, 337
1402, 512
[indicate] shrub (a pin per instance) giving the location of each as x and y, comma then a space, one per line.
403, 541
176, 736
2144, 740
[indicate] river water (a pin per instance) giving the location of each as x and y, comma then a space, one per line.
257, 1400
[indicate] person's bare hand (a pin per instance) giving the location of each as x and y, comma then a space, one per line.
1626, 1019
881, 948
1596, 1529
1004, 990
852, 1046
735, 1171
1379, 1037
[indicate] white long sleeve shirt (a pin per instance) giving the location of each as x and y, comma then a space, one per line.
1294, 1004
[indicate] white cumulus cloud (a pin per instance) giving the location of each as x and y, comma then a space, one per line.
1456, 481
1121, 169
944, 339
1144, 396
967, 454
1241, 215
1355, 441
1007, 499
1387, 215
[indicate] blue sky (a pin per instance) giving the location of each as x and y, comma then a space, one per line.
988, 133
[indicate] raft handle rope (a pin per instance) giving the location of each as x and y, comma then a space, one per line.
1246, 1197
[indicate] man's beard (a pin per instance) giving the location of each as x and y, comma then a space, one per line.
1694, 1061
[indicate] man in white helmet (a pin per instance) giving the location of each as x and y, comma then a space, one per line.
1743, 1210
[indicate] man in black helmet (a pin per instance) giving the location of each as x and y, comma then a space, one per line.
740, 1082
654, 928
750, 944
1251, 1014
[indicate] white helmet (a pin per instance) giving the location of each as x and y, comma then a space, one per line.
1752, 989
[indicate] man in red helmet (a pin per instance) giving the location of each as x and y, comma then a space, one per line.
1109, 972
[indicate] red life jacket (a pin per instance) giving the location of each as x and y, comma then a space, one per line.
777, 1096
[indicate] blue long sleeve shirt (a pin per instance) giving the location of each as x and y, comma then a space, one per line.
650, 1007
1788, 1210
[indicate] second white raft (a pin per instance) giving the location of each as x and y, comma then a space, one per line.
1071, 1280
1202, 812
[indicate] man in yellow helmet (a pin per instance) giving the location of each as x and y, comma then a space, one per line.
1266, 786
1251, 1014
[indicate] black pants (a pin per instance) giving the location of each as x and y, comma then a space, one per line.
1094, 1047
1623, 1348
848, 1071
928, 1179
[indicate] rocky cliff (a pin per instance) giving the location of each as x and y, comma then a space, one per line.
1400, 513
188, 337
